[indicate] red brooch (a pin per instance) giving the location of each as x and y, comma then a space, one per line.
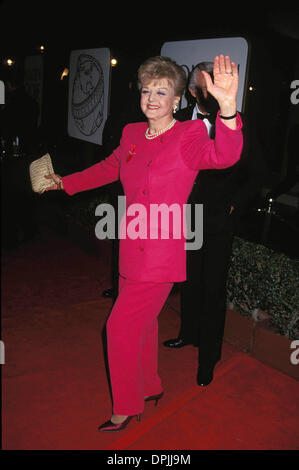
132, 153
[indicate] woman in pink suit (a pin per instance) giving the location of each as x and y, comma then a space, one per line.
157, 163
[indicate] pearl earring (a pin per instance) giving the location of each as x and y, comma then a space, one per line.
175, 108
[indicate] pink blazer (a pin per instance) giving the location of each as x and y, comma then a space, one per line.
159, 171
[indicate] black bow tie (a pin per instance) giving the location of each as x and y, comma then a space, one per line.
206, 116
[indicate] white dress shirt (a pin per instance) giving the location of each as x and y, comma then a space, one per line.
206, 121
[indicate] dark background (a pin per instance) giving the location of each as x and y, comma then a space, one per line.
136, 32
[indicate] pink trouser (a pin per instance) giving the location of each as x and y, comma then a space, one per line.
132, 340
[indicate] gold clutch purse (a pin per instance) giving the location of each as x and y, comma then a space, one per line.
38, 169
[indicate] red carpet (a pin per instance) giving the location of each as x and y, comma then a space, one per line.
55, 390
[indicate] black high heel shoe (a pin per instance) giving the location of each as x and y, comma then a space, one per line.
155, 398
108, 426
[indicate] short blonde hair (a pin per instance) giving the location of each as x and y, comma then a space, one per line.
157, 68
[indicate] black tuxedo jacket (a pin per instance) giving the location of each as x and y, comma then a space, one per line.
235, 186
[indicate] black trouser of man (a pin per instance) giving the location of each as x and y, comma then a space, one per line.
203, 295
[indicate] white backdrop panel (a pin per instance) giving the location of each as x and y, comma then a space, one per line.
89, 83
190, 53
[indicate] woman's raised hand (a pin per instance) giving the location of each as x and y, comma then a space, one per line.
57, 180
225, 85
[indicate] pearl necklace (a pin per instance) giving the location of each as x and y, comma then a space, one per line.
153, 136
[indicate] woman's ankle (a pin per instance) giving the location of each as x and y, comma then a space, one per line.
117, 419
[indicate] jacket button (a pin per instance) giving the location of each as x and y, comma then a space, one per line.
149, 163
145, 191
141, 248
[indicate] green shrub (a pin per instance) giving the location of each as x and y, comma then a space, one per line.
260, 278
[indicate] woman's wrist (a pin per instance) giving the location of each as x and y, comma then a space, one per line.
227, 118
228, 108
60, 183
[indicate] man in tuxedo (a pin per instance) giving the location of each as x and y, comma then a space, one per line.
225, 194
